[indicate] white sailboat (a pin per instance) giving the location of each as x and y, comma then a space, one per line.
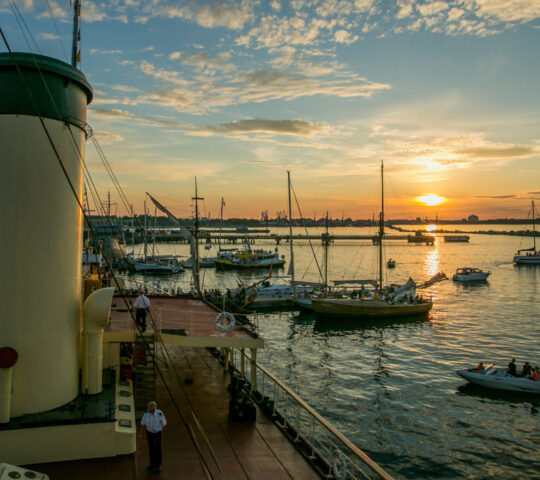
529, 256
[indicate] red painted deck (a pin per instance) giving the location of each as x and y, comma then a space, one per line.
256, 451
195, 317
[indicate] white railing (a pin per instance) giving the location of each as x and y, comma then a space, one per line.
344, 460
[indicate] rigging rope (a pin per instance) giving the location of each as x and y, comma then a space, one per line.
109, 266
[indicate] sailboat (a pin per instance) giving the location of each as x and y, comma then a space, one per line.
529, 256
152, 264
389, 301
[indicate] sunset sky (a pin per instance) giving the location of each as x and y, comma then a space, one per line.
447, 93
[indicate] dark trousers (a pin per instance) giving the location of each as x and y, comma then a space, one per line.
154, 448
140, 318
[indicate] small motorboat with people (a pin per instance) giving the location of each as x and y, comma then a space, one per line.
470, 274
391, 263
500, 379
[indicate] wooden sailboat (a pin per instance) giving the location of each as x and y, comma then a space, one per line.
386, 302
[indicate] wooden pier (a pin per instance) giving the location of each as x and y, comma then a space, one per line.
234, 239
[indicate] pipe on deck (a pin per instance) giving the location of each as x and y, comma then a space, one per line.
96, 311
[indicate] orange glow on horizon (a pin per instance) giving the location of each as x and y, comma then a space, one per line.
430, 200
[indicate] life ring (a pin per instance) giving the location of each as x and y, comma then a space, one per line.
339, 466
231, 319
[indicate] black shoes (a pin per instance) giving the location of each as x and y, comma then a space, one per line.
150, 468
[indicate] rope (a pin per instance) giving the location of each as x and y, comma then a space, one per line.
123, 293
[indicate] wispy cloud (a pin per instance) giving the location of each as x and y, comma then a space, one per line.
48, 36
495, 197
107, 138
232, 15
97, 51
278, 127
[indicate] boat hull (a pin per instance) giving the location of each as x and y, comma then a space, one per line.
359, 308
227, 265
500, 380
477, 277
527, 259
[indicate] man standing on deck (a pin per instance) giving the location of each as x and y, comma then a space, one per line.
154, 421
142, 304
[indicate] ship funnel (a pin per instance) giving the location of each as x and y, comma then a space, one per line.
42, 118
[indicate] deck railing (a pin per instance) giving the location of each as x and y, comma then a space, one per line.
321, 442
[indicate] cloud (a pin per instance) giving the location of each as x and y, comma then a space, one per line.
205, 94
277, 127
48, 36
508, 11
124, 88
107, 138
110, 113
232, 15
497, 151
96, 51
534, 193
342, 36
495, 197
204, 62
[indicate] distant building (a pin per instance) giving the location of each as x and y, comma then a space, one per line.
473, 218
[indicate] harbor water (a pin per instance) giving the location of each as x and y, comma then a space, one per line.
390, 385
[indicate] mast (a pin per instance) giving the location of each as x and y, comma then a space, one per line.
326, 241
196, 263
145, 243
534, 227
75, 52
291, 264
381, 231
132, 232
221, 224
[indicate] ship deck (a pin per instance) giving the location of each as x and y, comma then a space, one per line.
244, 451
182, 321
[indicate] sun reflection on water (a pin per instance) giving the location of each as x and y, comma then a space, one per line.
432, 261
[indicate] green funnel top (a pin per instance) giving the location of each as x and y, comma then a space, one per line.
37, 85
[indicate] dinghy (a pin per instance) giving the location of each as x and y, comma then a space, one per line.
500, 379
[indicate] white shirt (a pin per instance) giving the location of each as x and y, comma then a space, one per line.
142, 302
154, 422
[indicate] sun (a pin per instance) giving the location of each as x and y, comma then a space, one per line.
430, 200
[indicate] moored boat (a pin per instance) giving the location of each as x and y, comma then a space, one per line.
248, 259
469, 274
528, 256
385, 301
456, 238
500, 379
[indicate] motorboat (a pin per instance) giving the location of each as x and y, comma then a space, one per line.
499, 379
469, 274
391, 263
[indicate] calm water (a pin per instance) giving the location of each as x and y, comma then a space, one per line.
391, 385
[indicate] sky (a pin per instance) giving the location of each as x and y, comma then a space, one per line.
238, 92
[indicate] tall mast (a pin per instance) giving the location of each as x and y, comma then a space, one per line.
326, 241
145, 243
196, 265
75, 52
221, 223
381, 230
534, 227
291, 265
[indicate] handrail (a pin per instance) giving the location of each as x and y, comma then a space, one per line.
326, 424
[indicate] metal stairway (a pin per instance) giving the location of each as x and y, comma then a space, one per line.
144, 369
